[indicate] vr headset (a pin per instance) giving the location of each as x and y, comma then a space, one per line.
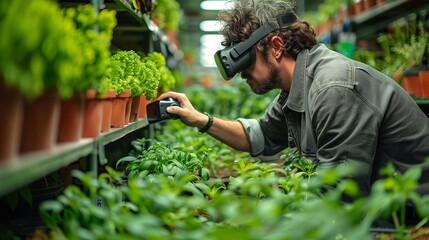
235, 58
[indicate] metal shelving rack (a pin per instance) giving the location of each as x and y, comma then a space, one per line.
28, 167
370, 22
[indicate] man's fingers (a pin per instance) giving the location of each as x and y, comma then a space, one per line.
173, 109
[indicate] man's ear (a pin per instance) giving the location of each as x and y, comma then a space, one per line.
277, 46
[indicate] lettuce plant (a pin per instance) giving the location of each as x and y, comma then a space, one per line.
168, 14
167, 79
97, 31
46, 48
40, 48
128, 71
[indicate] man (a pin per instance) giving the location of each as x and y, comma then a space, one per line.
333, 109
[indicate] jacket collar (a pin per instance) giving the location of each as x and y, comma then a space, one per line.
296, 95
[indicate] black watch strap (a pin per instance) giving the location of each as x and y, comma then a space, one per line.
208, 125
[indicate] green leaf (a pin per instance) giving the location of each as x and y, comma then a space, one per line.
126, 159
51, 206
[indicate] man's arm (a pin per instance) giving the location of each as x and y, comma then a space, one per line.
228, 132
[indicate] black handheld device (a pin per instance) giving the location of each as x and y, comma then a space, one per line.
238, 57
156, 111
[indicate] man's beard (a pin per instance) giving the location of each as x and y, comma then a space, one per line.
272, 82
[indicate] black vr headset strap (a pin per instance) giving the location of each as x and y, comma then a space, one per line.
283, 20
253, 39
286, 19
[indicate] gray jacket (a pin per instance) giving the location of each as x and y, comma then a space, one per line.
339, 110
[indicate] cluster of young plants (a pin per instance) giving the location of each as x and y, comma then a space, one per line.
162, 159
167, 14
127, 71
403, 48
229, 101
264, 200
47, 58
65, 54
167, 79
97, 32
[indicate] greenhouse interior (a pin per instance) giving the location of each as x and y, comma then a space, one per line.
211, 119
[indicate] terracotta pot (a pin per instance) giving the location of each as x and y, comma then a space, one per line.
424, 82
128, 104
135, 108
377, 2
71, 119
119, 109
41, 119
159, 91
92, 116
143, 104
411, 83
11, 112
107, 110
358, 8
368, 4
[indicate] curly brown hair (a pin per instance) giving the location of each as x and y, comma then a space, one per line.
248, 15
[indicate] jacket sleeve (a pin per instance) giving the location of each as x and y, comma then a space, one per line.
346, 130
267, 135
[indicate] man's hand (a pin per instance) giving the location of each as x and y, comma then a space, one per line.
188, 114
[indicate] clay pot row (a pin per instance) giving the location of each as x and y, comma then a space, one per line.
416, 83
46, 121
363, 5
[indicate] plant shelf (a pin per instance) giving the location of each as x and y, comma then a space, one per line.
26, 168
370, 22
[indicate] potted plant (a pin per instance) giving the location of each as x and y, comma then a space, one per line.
153, 63
413, 52
81, 114
167, 80
424, 73
126, 73
40, 66
394, 64
167, 14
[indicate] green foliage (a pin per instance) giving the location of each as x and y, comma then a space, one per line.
162, 159
167, 80
264, 201
168, 14
127, 71
407, 40
368, 57
97, 31
229, 101
48, 58
154, 62
63, 51
413, 51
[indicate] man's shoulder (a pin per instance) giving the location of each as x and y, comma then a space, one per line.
326, 66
